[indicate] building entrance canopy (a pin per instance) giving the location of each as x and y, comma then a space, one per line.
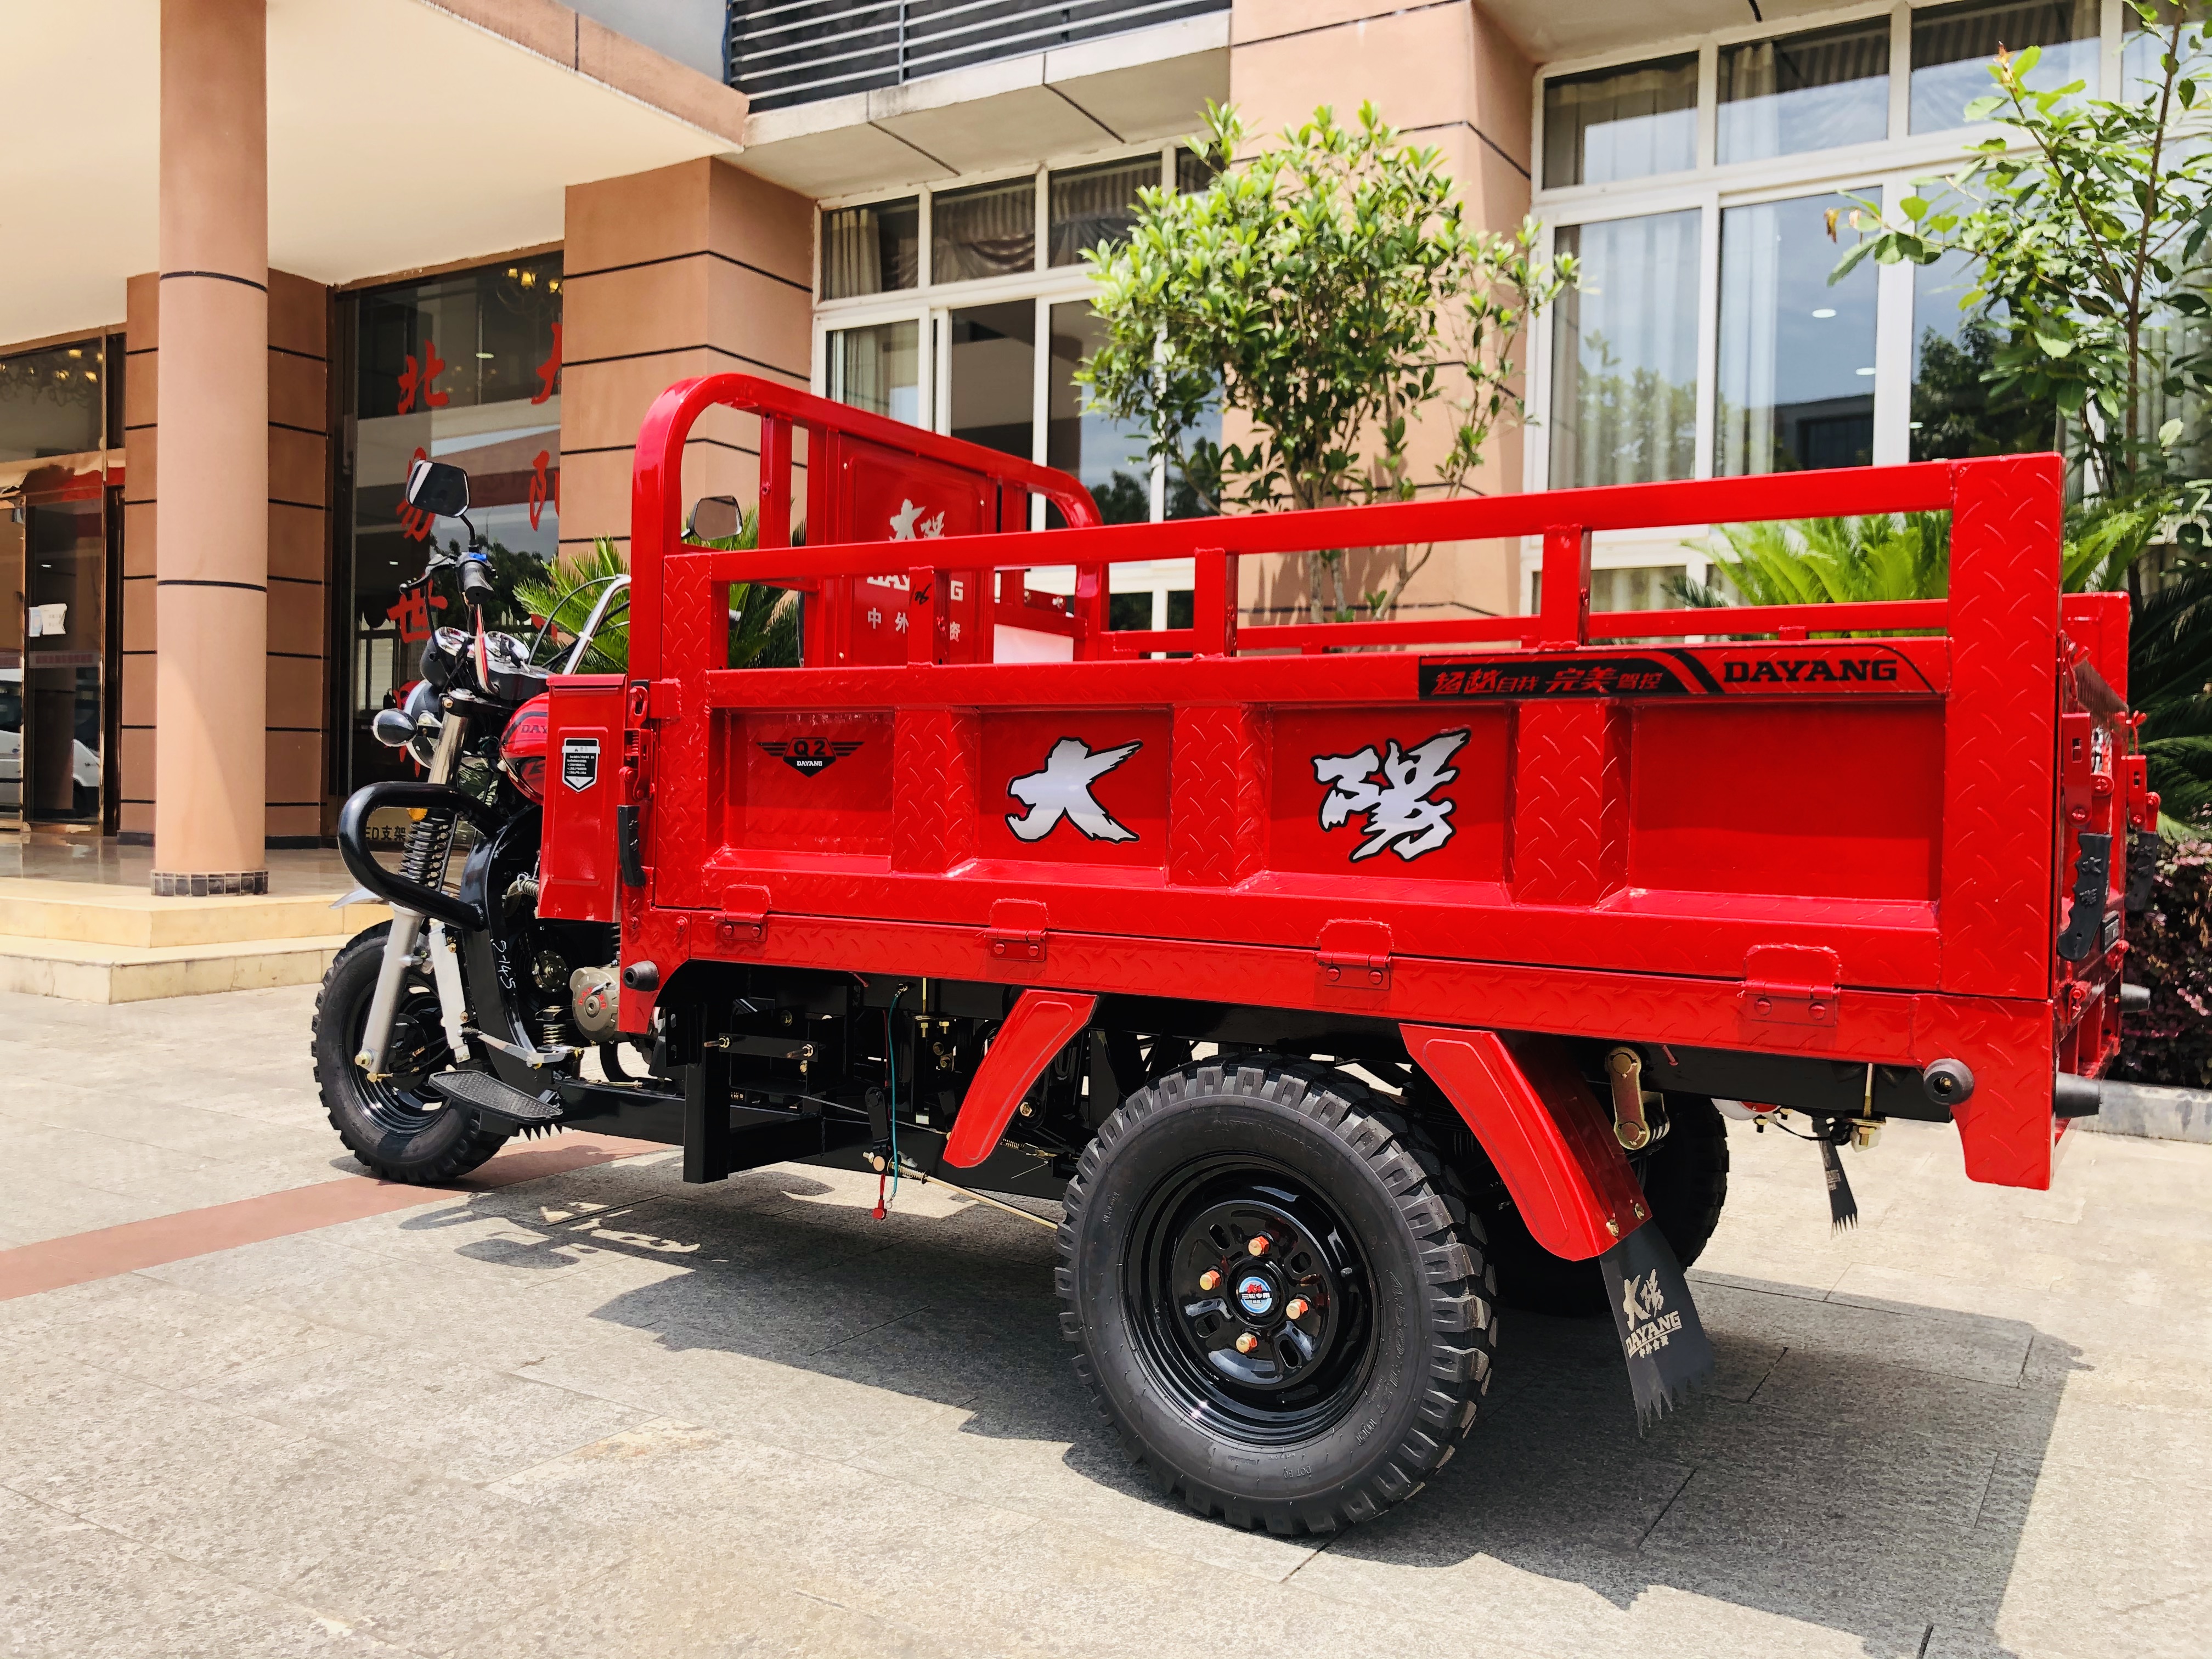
402, 134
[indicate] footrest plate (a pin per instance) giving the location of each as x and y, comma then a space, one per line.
495, 1099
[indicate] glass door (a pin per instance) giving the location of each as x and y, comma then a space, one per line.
12, 515
60, 643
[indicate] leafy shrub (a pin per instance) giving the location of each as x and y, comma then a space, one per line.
2171, 1042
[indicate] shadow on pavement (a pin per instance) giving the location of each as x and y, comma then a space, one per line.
1864, 1466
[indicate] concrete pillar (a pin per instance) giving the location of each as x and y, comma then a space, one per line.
1448, 78
695, 269
212, 536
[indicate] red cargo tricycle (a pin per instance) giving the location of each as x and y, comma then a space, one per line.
1341, 982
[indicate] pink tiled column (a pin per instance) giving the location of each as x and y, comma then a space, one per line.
211, 537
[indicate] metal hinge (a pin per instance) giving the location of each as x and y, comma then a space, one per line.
1790, 985
1015, 944
1354, 955
1359, 970
1017, 930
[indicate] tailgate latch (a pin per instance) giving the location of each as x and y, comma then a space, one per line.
1354, 955
1017, 930
1790, 985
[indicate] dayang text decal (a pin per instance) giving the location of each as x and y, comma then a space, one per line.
1712, 672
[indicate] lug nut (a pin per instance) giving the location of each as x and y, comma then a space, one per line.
1298, 1308
1247, 1342
1208, 1280
1258, 1246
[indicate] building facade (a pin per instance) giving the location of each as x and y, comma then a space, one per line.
304, 244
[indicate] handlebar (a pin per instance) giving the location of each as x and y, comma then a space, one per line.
476, 580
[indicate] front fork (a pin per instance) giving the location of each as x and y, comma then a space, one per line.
424, 860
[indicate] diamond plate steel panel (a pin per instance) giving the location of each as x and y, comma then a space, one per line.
2000, 728
934, 757
1570, 802
1218, 824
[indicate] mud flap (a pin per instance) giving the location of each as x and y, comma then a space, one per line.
1661, 1337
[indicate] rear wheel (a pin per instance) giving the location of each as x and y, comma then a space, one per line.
397, 1125
1685, 1180
1280, 1304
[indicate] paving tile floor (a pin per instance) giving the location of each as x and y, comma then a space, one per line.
605, 1414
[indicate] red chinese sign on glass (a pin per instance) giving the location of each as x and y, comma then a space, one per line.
549, 370
414, 380
412, 612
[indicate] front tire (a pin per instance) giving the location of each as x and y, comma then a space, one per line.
1298, 1423
398, 1125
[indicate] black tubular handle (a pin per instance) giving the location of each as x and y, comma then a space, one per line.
390, 886
476, 580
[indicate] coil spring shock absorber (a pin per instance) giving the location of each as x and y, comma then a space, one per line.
423, 861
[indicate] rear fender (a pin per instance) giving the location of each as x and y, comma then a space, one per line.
1536, 1118
1042, 1023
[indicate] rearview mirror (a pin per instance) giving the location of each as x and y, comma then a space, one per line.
715, 519
440, 490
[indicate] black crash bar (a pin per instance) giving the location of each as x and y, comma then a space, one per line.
390, 886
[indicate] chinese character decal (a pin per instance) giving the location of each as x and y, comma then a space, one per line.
537, 486
413, 611
1394, 791
908, 525
1062, 789
548, 372
413, 380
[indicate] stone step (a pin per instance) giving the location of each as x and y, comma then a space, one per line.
81, 913
96, 971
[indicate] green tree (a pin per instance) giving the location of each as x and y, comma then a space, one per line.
2170, 684
2083, 219
1825, 561
764, 620
1329, 290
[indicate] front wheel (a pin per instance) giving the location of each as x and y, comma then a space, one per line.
397, 1125
1279, 1301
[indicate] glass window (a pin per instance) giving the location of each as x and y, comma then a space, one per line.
876, 249
1811, 91
463, 368
1955, 411
1185, 498
993, 368
1953, 46
52, 402
879, 369
1109, 460
1641, 587
1091, 205
1797, 358
1625, 353
987, 231
1621, 124
1194, 171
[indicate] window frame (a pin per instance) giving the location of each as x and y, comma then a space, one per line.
1883, 169
930, 303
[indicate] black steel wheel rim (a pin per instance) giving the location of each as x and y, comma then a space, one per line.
1279, 1346
402, 1102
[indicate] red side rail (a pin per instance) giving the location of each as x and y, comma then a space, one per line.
1780, 834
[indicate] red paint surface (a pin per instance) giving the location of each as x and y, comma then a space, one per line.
1551, 1140
1041, 1024
1616, 855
